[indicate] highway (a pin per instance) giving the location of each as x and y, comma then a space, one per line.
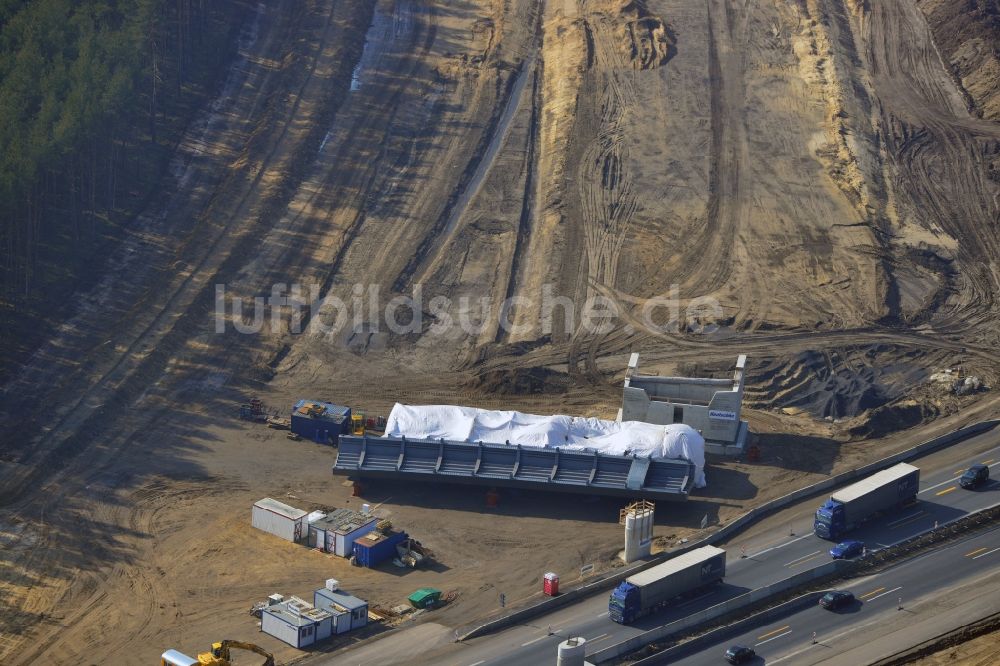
931, 594
772, 555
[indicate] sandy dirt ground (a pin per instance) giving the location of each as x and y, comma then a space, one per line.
811, 167
981, 651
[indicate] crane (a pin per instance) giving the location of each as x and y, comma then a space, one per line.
219, 656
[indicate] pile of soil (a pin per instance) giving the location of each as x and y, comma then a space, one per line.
519, 381
968, 36
836, 383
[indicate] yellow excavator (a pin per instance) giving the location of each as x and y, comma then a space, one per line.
219, 656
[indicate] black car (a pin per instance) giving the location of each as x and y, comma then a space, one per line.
836, 599
974, 476
738, 654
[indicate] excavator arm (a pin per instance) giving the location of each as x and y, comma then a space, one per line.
221, 650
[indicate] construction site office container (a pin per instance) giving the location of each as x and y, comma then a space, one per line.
338, 601
336, 533
320, 421
345, 539
279, 519
372, 552
298, 630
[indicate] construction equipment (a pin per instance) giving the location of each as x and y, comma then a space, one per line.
279, 422
412, 553
219, 656
253, 410
358, 424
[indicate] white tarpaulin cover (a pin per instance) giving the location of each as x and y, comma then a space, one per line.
469, 424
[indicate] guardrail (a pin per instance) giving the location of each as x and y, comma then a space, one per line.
736, 603
773, 506
732, 528
942, 641
765, 616
875, 561
959, 526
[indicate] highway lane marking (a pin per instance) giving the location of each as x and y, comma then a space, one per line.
825, 640
946, 491
774, 638
602, 637
603, 614
885, 593
868, 594
476, 663
803, 561
989, 552
535, 640
899, 520
688, 603
977, 550
907, 521
799, 560
958, 474
986, 462
781, 545
771, 633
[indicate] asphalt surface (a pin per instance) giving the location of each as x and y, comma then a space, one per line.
893, 597
770, 557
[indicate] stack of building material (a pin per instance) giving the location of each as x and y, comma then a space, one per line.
567, 433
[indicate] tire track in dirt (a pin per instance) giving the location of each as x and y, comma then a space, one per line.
428, 260
620, 49
121, 626
120, 377
408, 33
938, 150
729, 154
120, 294
156, 322
674, 348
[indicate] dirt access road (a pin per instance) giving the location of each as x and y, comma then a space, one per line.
811, 166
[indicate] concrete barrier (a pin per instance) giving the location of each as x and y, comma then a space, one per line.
764, 617
554, 603
878, 560
609, 581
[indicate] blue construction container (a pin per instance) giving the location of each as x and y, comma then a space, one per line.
375, 548
321, 422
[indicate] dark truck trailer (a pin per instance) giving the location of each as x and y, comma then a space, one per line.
651, 589
851, 506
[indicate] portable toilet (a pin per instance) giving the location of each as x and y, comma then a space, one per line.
550, 584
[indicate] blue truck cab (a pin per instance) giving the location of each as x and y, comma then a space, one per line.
625, 604
830, 520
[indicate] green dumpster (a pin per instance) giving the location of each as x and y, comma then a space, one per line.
425, 597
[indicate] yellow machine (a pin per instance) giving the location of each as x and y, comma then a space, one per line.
219, 656
358, 424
